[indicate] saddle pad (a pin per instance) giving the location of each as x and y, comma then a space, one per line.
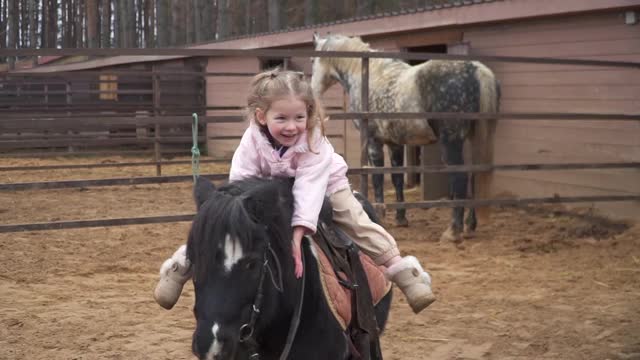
339, 297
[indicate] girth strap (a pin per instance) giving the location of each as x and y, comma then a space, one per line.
344, 257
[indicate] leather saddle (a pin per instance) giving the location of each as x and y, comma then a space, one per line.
353, 284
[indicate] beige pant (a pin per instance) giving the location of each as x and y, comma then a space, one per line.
372, 238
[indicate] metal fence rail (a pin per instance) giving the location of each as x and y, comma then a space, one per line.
72, 116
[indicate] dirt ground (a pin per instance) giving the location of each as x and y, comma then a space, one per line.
534, 283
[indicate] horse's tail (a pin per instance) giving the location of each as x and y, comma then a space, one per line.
482, 141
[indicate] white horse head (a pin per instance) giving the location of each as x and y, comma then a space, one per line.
323, 73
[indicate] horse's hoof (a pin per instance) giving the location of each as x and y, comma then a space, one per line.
402, 222
380, 209
451, 235
468, 233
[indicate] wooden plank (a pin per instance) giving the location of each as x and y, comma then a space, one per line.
27, 144
106, 182
561, 124
578, 21
561, 92
511, 202
507, 66
76, 224
107, 165
575, 106
509, 150
501, 183
577, 50
625, 181
576, 135
570, 32
424, 204
57, 153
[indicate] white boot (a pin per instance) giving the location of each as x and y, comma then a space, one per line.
413, 281
174, 273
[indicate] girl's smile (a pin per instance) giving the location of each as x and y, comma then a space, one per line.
286, 120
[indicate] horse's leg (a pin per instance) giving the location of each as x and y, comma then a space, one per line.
452, 147
376, 158
471, 222
397, 159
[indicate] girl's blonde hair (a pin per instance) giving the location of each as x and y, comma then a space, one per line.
272, 85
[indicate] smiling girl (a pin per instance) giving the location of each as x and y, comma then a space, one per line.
285, 138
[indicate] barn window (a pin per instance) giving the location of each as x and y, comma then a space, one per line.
272, 63
109, 87
437, 48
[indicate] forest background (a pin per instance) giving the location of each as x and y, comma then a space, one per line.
170, 23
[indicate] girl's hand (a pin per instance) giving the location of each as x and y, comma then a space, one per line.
298, 233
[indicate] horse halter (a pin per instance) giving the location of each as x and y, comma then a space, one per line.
245, 334
247, 330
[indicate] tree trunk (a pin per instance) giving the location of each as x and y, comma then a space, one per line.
364, 7
23, 38
132, 27
197, 20
149, 21
12, 28
190, 36
71, 24
223, 19
106, 24
79, 24
124, 23
178, 28
210, 20
274, 15
3, 25
164, 22
248, 17
44, 40
64, 30
33, 23
310, 12
53, 23
92, 23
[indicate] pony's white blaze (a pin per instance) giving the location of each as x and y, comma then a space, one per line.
232, 252
216, 346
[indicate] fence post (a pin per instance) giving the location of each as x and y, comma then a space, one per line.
68, 102
156, 109
364, 127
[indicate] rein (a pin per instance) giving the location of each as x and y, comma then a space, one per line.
246, 333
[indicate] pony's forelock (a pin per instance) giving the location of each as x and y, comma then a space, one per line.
230, 213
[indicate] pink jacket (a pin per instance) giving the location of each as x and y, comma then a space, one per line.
317, 173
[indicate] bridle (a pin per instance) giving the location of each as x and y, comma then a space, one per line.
246, 333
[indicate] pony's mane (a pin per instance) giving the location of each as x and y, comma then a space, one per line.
337, 42
246, 210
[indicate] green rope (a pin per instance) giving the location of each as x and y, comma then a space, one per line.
195, 152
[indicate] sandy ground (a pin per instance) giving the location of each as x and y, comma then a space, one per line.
535, 283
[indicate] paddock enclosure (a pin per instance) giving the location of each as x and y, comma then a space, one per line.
87, 146
537, 283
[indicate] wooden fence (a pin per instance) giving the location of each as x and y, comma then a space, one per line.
23, 119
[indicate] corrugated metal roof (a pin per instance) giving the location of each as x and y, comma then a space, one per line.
445, 5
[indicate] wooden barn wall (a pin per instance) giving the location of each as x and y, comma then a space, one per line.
231, 91
227, 91
562, 88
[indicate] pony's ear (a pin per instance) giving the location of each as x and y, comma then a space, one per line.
202, 190
316, 37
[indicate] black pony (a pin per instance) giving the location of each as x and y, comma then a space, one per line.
245, 288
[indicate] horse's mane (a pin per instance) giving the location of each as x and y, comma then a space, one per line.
246, 210
338, 42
